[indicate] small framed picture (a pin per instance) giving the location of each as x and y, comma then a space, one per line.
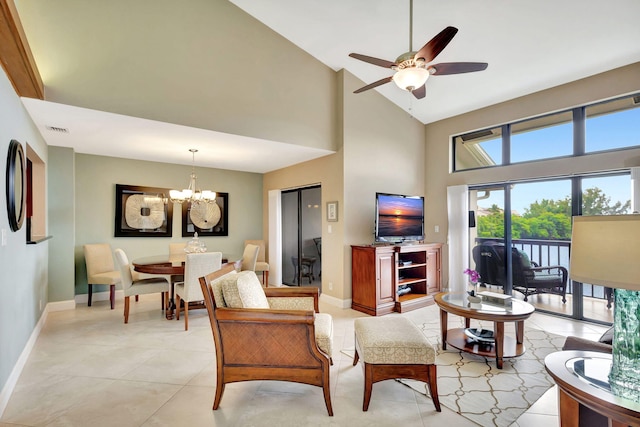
332, 211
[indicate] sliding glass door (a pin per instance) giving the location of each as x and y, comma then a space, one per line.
534, 220
541, 234
301, 237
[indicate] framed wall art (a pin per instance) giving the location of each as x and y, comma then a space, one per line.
208, 219
332, 211
142, 212
16, 191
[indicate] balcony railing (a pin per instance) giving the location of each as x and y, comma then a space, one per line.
551, 252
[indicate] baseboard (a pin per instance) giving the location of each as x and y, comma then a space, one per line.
9, 386
336, 302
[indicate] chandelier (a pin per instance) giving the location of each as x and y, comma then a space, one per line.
192, 194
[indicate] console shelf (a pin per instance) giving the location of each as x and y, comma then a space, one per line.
378, 272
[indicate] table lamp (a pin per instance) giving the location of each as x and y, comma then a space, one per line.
605, 250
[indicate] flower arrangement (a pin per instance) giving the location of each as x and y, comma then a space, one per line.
474, 278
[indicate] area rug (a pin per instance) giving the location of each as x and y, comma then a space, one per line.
473, 387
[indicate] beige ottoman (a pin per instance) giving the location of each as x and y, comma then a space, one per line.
393, 347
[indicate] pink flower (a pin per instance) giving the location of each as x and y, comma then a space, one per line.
474, 276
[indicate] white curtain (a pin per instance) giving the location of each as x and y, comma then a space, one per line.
635, 190
458, 237
275, 237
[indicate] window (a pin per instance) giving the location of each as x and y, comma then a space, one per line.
478, 149
611, 125
542, 138
535, 218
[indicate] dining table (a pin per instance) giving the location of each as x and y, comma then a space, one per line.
173, 265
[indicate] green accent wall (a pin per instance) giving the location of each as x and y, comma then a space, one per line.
95, 185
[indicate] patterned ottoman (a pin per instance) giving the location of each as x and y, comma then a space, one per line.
393, 347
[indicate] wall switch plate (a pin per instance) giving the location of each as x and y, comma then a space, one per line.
329, 229
436, 228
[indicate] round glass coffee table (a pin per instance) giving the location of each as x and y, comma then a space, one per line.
499, 346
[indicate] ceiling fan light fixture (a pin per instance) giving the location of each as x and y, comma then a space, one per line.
411, 78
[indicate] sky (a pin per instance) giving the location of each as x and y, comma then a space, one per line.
398, 205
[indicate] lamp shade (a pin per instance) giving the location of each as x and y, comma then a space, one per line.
411, 78
605, 250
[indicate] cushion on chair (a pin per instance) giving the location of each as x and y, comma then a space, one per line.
323, 325
108, 278
291, 303
392, 340
262, 266
244, 292
216, 286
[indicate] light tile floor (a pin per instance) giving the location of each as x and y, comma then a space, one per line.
90, 369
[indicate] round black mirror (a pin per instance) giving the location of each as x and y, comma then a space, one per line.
15, 185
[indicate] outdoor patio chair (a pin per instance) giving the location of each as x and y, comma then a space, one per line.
528, 277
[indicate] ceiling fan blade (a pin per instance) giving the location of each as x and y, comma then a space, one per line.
430, 50
456, 68
420, 92
374, 84
371, 60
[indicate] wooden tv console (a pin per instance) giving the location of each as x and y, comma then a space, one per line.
379, 272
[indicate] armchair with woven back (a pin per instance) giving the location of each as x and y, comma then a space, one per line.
529, 278
285, 339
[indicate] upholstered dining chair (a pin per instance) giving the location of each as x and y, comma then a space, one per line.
262, 266
250, 257
177, 248
271, 333
100, 270
133, 287
196, 266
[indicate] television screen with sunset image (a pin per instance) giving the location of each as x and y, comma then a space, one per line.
399, 217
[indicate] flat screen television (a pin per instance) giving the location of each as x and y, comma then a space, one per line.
399, 218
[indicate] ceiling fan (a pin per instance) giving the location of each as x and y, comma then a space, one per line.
411, 69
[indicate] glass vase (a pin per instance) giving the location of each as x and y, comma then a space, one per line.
624, 377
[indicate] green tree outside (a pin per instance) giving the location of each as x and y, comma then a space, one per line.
548, 219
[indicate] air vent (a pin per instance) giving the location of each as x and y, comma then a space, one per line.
57, 129
476, 135
636, 99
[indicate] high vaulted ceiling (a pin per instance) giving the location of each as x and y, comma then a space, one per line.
530, 46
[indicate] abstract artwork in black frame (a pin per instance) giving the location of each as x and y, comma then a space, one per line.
207, 219
142, 212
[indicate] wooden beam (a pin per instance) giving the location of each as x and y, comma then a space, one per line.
15, 54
